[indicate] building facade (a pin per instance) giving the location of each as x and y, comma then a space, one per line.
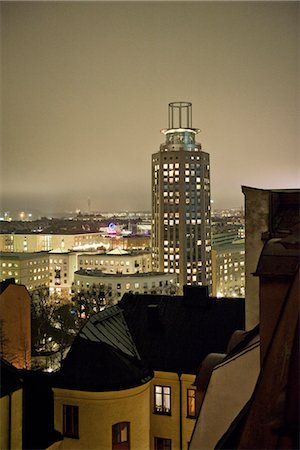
30, 269
116, 261
37, 242
181, 210
62, 266
115, 285
228, 269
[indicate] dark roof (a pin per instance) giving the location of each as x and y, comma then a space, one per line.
10, 380
175, 333
103, 357
116, 347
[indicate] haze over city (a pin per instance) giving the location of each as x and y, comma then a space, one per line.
86, 87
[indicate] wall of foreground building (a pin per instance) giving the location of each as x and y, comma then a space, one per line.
98, 411
15, 324
11, 420
230, 387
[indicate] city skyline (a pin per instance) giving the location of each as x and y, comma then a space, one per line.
85, 89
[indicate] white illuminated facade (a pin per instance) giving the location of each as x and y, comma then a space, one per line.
30, 269
181, 214
116, 261
114, 286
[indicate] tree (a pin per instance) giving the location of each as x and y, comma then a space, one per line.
54, 325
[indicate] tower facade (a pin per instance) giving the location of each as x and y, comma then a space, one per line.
181, 210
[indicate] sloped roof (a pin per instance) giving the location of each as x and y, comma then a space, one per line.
59, 250
117, 251
103, 357
109, 327
117, 346
178, 333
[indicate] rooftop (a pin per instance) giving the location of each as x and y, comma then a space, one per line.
103, 357
99, 273
119, 347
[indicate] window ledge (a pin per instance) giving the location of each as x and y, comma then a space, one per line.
162, 413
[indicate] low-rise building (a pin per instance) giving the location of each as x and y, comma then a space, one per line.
37, 242
30, 269
115, 285
116, 261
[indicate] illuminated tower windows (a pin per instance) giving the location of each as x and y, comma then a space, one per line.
181, 223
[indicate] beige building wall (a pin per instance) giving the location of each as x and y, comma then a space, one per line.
168, 427
98, 411
11, 435
256, 222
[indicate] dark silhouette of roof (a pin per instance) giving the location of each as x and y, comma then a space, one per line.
103, 356
116, 347
10, 380
175, 333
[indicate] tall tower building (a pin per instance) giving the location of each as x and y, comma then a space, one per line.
181, 216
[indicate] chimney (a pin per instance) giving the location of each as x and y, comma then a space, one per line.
153, 317
197, 296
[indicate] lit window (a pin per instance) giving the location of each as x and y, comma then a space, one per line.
191, 403
70, 421
120, 436
162, 400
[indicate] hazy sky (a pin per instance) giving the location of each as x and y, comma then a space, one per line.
85, 90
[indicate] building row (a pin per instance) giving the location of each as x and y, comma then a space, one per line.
128, 379
63, 270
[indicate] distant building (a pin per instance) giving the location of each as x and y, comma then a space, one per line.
37, 242
127, 381
116, 261
62, 265
30, 269
181, 214
114, 285
228, 269
15, 324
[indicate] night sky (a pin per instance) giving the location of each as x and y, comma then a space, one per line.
86, 87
